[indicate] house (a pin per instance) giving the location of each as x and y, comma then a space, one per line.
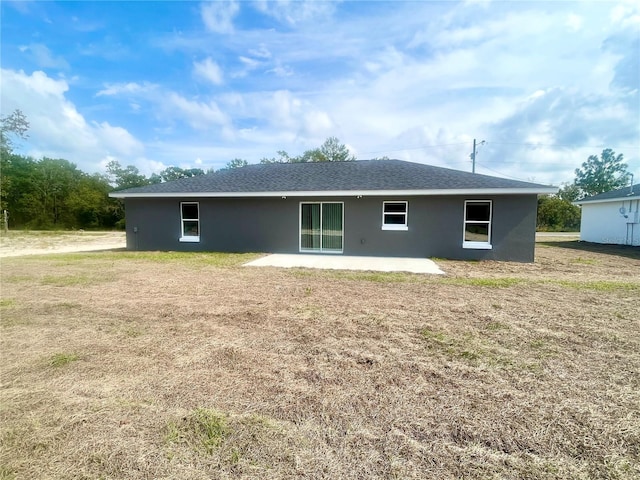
366, 207
612, 217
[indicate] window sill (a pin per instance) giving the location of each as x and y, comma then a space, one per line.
401, 228
477, 245
322, 252
190, 239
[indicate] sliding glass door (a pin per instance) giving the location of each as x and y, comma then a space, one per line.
321, 227
309, 226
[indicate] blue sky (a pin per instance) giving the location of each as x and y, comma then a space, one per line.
195, 84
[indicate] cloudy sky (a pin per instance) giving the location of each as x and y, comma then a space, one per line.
190, 84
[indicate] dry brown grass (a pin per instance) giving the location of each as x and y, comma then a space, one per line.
134, 365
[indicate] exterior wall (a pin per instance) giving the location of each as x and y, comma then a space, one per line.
226, 224
435, 226
603, 223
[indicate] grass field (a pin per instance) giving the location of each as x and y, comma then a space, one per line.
188, 366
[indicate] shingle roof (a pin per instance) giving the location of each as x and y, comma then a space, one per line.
624, 193
356, 176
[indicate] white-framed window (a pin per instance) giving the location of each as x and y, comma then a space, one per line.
477, 224
395, 215
190, 221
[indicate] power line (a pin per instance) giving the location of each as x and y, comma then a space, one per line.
415, 148
491, 142
503, 174
561, 145
518, 162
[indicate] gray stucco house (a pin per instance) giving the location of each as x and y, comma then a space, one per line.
366, 207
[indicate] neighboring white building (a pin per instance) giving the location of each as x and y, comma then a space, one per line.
612, 217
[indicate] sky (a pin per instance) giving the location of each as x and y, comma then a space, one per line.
196, 84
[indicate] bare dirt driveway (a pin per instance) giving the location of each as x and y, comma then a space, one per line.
18, 243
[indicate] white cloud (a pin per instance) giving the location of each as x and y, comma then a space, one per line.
574, 22
208, 70
148, 166
131, 88
275, 110
625, 14
171, 107
297, 11
43, 57
318, 125
21, 6
57, 129
261, 52
118, 139
554, 132
500, 28
281, 71
282, 108
200, 115
250, 63
218, 16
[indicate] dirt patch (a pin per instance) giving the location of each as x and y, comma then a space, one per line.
161, 365
17, 243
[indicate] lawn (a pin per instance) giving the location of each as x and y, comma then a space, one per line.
162, 366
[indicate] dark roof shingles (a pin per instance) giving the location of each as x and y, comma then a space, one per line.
360, 175
623, 193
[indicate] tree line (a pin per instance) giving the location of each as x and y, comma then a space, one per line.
54, 194
599, 174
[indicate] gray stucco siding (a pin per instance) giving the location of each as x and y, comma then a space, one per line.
435, 226
226, 224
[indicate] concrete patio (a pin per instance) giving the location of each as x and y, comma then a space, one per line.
342, 262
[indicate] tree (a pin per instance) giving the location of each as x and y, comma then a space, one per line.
235, 163
283, 157
556, 214
314, 155
89, 203
53, 193
603, 174
127, 177
52, 181
174, 173
16, 172
570, 192
334, 151
15, 124
330, 151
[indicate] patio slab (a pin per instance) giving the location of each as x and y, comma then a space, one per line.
342, 262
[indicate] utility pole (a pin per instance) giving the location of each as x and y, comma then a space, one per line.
473, 155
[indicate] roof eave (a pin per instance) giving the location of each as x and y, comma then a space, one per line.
634, 196
344, 193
